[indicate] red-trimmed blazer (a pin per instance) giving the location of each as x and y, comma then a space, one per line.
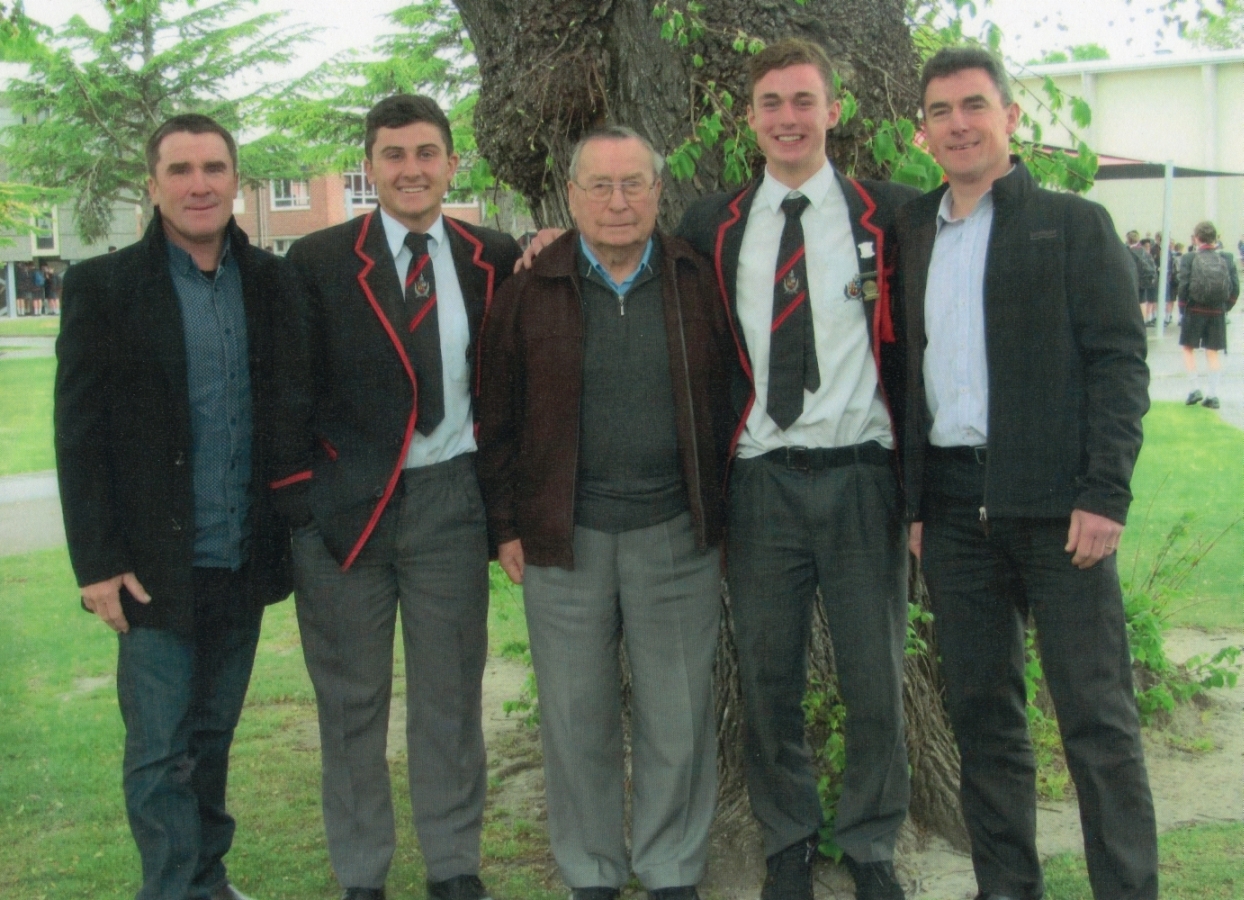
714, 225
346, 408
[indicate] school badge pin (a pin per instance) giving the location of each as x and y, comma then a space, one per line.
790, 283
422, 288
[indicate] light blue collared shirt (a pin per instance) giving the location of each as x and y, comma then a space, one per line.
619, 289
956, 372
455, 434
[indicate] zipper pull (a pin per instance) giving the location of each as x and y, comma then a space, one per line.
984, 522
622, 304
984, 516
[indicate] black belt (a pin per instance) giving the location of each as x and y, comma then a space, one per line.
975, 455
811, 459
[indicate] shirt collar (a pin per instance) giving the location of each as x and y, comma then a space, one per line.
395, 233
183, 263
772, 192
984, 206
600, 270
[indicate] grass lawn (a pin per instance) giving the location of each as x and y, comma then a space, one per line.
62, 819
1197, 863
24, 326
1192, 463
26, 414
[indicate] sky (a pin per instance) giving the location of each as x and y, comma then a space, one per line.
1128, 30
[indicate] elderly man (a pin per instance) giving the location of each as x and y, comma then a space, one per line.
164, 368
604, 430
1024, 417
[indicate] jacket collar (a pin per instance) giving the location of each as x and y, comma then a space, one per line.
560, 258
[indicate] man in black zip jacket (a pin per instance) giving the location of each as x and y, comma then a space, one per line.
1026, 362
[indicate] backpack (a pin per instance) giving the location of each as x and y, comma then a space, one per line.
1209, 283
1146, 269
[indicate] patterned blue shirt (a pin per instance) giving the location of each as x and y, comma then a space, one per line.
218, 376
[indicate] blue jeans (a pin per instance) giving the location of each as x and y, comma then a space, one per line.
180, 699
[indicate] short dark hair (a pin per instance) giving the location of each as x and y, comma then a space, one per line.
1205, 232
192, 123
401, 110
786, 53
949, 60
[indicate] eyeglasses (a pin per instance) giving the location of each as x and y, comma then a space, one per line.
602, 191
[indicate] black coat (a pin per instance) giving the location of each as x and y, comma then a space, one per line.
1064, 345
123, 439
714, 226
348, 390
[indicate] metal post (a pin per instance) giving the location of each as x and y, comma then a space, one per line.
1168, 194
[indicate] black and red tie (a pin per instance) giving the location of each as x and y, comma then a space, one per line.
425, 334
792, 345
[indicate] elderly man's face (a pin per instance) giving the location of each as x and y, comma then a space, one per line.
626, 218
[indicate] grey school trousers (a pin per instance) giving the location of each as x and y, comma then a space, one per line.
791, 531
428, 557
653, 589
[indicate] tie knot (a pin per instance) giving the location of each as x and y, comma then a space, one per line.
794, 206
418, 244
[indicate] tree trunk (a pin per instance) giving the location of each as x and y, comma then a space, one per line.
552, 70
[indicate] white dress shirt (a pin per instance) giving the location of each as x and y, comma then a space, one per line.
455, 434
847, 408
956, 374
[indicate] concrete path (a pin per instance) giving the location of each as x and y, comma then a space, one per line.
30, 516
17, 347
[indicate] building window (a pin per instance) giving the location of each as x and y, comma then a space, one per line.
287, 194
358, 191
239, 202
280, 246
45, 241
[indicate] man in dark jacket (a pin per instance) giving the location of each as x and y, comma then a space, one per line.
376, 446
163, 389
814, 497
604, 430
1026, 362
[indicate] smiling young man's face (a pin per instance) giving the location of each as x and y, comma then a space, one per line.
790, 113
411, 170
969, 127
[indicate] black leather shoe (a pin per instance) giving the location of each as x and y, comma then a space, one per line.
674, 893
595, 893
874, 880
788, 873
363, 894
460, 887
228, 892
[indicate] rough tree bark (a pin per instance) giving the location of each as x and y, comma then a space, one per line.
553, 69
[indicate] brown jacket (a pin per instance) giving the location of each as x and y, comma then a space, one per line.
531, 366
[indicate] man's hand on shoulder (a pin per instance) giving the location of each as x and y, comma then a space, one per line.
1091, 538
104, 599
543, 238
510, 556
